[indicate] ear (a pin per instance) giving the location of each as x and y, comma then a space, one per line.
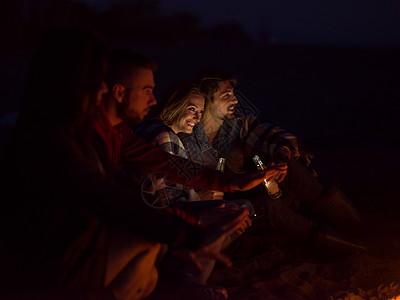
118, 92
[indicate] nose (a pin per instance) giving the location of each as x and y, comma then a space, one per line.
153, 100
234, 100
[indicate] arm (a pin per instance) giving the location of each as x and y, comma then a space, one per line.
99, 195
276, 142
138, 153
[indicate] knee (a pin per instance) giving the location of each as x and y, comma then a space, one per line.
148, 285
138, 279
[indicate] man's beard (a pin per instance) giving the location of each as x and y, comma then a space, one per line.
229, 116
132, 118
129, 116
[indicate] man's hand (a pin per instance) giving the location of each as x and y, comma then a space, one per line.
253, 179
280, 177
210, 195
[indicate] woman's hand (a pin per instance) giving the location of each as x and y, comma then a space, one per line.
251, 180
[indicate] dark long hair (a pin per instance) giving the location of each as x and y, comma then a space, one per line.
66, 71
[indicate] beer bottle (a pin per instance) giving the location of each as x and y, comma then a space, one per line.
270, 184
221, 165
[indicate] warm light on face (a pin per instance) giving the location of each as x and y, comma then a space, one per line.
224, 101
191, 116
139, 97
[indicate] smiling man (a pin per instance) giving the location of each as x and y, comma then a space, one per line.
237, 136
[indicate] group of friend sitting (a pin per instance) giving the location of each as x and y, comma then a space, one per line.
95, 203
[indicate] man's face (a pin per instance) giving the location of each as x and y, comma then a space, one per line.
138, 97
224, 101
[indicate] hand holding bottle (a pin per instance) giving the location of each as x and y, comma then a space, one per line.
273, 164
270, 184
251, 180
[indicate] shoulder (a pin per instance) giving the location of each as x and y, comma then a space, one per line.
159, 134
165, 137
123, 129
154, 131
197, 134
199, 130
170, 143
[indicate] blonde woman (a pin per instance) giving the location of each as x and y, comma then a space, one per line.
180, 114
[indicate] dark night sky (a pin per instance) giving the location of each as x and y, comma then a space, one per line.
328, 22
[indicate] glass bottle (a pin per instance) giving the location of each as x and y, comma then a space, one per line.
221, 165
270, 184
221, 168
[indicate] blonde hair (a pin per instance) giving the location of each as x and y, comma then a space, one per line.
176, 105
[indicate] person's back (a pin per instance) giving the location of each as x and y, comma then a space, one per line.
44, 190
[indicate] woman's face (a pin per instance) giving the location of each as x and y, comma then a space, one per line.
191, 115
